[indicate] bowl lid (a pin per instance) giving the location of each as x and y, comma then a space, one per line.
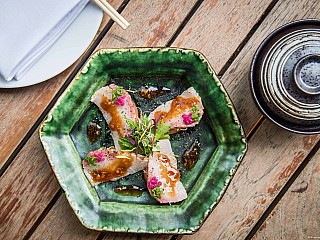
285, 76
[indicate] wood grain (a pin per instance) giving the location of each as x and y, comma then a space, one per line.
264, 169
21, 107
237, 77
297, 215
218, 28
26, 188
273, 156
53, 226
157, 22
28, 196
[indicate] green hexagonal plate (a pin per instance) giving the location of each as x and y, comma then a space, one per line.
223, 144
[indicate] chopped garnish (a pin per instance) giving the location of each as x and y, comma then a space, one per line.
143, 135
162, 131
187, 118
153, 183
120, 100
192, 117
156, 192
91, 160
99, 156
116, 93
195, 113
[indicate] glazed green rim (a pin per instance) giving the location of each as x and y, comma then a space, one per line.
186, 217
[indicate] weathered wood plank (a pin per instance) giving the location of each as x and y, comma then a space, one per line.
21, 107
297, 215
17, 223
157, 22
218, 28
119, 236
26, 188
273, 156
53, 226
256, 183
28, 185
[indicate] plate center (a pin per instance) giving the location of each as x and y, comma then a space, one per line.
307, 74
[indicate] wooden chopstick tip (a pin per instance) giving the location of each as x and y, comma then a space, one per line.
113, 14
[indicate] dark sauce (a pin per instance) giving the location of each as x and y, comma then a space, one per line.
129, 190
150, 93
191, 156
93, 132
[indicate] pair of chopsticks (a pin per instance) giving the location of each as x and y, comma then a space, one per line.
108, 9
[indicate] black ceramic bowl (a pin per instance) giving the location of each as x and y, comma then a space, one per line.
285, 76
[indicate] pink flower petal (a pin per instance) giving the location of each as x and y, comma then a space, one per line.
187, 118
120, 100
99, 156
153, 183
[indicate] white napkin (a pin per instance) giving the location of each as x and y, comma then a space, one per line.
28, 28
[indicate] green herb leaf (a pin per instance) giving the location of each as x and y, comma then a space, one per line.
162, 131
116, 93
125, 144
195, 113
131, 123
91, 160
156, 192
143, 135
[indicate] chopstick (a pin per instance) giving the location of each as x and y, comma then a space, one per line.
108, 9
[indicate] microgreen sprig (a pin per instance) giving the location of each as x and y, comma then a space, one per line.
143, 135
91, 160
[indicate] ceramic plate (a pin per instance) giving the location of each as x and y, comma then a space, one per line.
285, 76
65, 51
221, 138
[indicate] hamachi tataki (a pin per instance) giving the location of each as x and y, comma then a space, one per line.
108, 164
116, 105
184, 111
163, 177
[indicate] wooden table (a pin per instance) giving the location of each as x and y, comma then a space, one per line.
275, 191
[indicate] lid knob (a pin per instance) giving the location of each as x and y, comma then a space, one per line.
307, 74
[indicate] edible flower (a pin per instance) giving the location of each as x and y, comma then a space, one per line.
93, 158
120, 100
117, 93
187, 118
154, 184
192, 117
98, 156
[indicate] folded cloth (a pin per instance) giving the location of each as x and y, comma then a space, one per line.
28, 28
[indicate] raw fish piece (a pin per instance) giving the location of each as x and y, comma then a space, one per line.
115, 110
182, 112
108, 164
165, 148
163, 179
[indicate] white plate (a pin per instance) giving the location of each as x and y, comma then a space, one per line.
65, 51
